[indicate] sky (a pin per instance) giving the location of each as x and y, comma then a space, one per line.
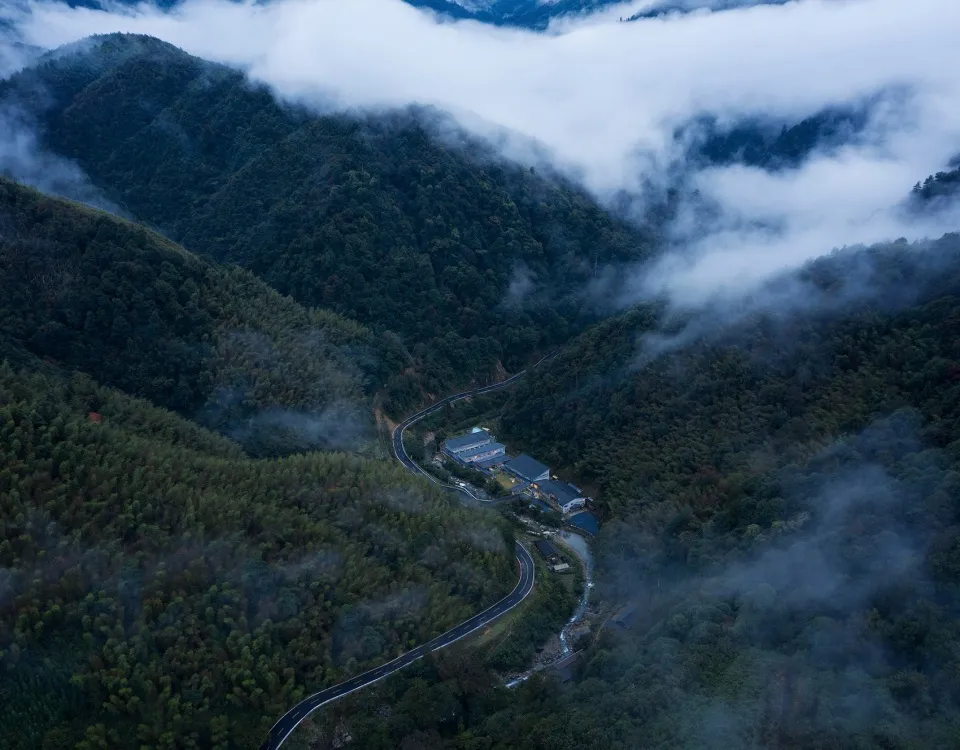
602, 99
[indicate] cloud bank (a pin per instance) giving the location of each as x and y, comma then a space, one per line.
23, 159
603, 98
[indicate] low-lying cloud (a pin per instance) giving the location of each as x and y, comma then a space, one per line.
666, 7
602, 99
25, 160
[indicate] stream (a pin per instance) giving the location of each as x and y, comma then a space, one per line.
579, 545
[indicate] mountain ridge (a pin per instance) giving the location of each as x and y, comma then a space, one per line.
372, 218
136, 311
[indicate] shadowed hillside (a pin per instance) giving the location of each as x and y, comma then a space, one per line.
469, 260
780, 486
90, 292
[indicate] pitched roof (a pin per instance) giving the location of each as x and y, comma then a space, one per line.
564, 493
545, 548
471, 439
486, 463
527, 467
566, 665
466, 455
626, 616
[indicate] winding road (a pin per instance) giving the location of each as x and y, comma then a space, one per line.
401, 452
292, 718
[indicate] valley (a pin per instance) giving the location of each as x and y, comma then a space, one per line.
510, 377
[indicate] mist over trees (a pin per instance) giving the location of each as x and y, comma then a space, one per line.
103, 296
768, 144
779, 478
161, 590
938, 190
375, 219
780, 492
158, 586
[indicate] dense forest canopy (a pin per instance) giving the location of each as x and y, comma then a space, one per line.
779, 483
468, 259
781, 492
161, 590
103, 296
939, 188
823, 361
766, 143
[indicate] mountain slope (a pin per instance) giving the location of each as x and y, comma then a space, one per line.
781, 491
771, 145
468, 259
98, 294
938, 190
856, 335
159, 589
662, 8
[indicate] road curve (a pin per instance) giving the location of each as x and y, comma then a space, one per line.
397, 439
292, 718
289, 721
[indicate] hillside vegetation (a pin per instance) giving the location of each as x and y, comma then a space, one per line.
938, 189
100, 295
470, 261
160, 590
781, 499
652, 411
781, 494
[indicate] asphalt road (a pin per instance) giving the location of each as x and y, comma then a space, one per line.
289, 721
401, 453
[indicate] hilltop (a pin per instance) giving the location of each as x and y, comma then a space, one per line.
156, 580
466, 260
89, 292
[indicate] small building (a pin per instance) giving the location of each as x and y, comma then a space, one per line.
547, 551
565, 666
568, 497
552, 556
527, 468
482, 453
454, 446
626, 617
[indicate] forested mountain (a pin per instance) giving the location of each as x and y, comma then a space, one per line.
768, 144
781, 490
94, 293
661, 8
779, 480
939, 188
469, 260
158, 589
782, 502
857, 334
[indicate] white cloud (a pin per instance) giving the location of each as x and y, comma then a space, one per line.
602, 96
23, 159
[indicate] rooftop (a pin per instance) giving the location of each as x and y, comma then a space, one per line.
566, 665
564, 493
545, 548
468, 453
527, 467
486, 463
460, 442
626, 616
